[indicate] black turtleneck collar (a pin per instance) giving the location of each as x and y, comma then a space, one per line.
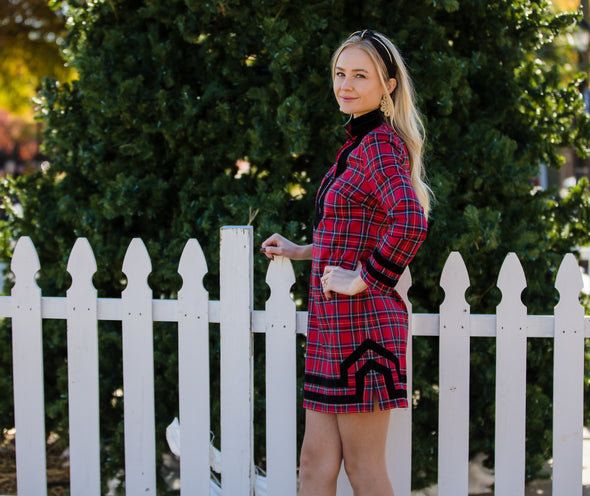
361, 126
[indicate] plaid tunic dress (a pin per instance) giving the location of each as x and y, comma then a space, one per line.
367, 211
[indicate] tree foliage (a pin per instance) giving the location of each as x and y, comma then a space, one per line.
172, 94
30, 41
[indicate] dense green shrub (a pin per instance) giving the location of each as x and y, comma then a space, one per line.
171, 94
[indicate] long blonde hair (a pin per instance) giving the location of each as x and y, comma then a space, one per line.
406, 119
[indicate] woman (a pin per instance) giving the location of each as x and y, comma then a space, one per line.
371, 211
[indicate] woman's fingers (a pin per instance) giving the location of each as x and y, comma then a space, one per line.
267, 250
279, 246
328, 280
326, 288
272, 245
338, 280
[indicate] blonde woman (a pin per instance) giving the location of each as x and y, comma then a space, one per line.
371, 211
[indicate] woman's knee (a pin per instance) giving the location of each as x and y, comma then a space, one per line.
354, 468
365, 472
318, 463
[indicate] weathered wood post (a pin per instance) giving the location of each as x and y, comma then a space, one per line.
236, 300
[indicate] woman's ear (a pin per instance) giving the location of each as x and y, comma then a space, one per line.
391, 85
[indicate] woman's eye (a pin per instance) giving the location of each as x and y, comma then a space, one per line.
360, 76
340, 74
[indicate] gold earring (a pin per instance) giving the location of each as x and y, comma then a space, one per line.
386, 106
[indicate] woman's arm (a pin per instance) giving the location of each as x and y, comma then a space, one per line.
281, 246
388, 177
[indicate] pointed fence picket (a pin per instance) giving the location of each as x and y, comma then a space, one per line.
193, 363
281, 386
138, 373
82, 336
453, 412
27, 363
137, 311
511, 353
568, 380
399, 440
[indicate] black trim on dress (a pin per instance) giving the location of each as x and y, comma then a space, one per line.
359, 377
388, 264
379, 276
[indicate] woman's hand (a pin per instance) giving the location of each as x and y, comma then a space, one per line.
278, 245
339, 280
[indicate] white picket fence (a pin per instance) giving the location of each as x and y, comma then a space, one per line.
280, 321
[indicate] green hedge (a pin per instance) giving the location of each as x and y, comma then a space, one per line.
172, 93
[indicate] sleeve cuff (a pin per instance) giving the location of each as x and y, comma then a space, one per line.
379, 277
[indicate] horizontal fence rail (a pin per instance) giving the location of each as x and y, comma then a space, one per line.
280, 322
424, 324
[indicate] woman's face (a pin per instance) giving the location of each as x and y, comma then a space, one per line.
357, 86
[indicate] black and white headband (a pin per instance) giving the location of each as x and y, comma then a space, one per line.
384, 52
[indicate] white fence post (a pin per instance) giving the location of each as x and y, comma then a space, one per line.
193, 371
453, 429
138, 374
27, 363
281, 384
511, 351
83, 397
236, 294
399, 441
568, 381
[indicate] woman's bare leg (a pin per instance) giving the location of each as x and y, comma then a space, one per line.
364, 437
321, 455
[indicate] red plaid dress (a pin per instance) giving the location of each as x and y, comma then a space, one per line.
366, 211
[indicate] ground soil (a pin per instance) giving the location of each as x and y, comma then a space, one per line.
58, 471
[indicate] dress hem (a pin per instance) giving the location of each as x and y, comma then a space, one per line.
353, 408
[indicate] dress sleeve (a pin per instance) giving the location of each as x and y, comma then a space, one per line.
387, 175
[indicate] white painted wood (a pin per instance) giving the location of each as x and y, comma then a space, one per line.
281, 386
399, 441
424, 324
568, 381
83, 399
27, 363
511, 351
236, 293
453, 432
193, 371
138, 374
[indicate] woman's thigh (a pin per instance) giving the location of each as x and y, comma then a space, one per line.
321, 455
364, 438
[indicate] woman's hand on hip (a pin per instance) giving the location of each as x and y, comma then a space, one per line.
339, 280
281, 246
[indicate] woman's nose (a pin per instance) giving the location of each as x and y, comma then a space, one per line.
346, 84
